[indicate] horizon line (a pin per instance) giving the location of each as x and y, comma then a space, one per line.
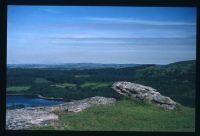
96, 63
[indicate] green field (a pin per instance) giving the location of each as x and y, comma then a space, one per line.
65, 85
41, 81
126, 115
94, 85
17, 89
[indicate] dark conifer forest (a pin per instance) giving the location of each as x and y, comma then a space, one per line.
176, 80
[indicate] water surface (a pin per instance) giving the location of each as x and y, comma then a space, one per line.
28, 101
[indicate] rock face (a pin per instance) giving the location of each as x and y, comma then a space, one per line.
144, 93
38, 116
28, 117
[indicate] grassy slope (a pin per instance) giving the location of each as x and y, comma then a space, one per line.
127, 115
176, 80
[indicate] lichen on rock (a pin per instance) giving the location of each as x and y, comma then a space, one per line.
38, 116
144, 93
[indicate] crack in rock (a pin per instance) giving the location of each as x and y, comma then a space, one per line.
144, 93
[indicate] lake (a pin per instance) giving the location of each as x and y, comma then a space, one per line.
28, 101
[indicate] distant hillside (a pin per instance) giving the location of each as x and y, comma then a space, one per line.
70, 66
176, 80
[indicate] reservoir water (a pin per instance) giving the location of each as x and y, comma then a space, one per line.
28, 101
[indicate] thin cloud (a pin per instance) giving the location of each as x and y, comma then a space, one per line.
52, 11
137, 21
118, 34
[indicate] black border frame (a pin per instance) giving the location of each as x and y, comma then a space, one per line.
143, 3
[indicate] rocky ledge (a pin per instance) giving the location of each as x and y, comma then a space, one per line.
39, 116
144, 93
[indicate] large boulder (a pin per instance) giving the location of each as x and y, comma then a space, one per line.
144, 93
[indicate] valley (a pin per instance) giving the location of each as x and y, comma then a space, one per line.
176, 81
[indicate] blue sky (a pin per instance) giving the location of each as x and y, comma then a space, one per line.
75, 34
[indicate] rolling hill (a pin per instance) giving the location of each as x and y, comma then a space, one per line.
176, 80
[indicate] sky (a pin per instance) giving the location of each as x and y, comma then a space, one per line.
92, 34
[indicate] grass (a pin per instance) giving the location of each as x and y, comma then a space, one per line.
94, 85
65, 85
89, 85
17, 89
127, 115
79, 76
41, 80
